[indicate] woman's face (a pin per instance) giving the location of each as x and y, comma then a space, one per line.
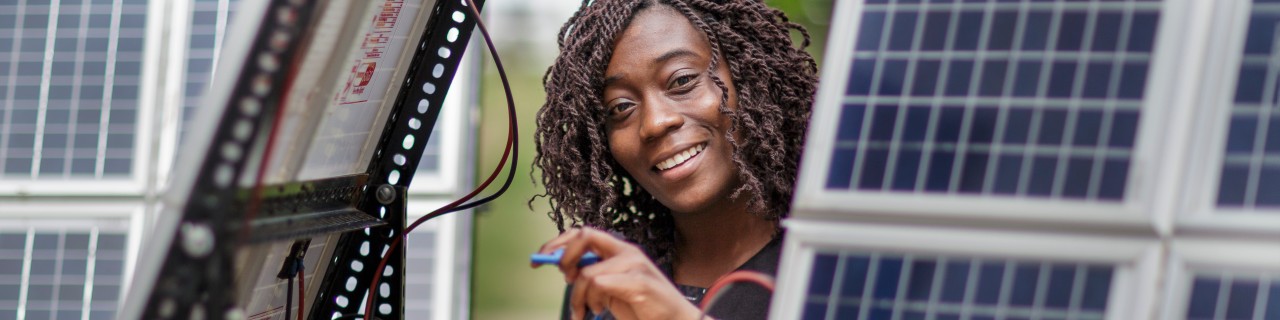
664, 124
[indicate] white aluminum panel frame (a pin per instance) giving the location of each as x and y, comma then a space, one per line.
126, 216
1136, 259
1144, 180
138, 181
1189, 255
1221, 65
168, 120
451, 289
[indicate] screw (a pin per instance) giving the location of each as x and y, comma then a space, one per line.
386, 194
167, 308
235, 314
197, 239
197, 312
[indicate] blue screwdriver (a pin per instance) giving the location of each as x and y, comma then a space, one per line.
539, 259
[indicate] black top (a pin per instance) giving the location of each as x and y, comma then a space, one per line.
745, 301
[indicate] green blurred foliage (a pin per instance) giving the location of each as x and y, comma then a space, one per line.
507, 230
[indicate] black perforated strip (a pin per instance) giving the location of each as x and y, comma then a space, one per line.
430, 73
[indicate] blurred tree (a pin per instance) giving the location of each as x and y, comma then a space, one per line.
814, 15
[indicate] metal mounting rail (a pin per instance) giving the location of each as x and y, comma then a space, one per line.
430, 73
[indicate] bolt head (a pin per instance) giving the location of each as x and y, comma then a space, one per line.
386, 194
197, 239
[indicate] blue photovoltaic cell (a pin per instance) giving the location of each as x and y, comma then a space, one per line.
63, 264
90, 115
1226, 296
1026, 99
853, 285
1250, 173
209, 21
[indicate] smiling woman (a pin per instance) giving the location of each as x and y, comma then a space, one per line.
676, 125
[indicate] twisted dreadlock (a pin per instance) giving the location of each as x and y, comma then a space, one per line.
775, 84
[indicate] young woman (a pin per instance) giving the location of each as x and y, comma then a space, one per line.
669, 144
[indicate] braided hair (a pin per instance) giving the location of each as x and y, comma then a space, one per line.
775, 83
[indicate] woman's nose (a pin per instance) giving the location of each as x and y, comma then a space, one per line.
659, 118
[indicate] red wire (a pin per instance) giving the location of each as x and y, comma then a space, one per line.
761, 279
511, 132
302, 290
255, 197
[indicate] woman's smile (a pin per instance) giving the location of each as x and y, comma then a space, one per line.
680, 157
681, 164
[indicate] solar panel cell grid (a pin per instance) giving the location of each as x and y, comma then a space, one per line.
1250, 173
852, 285
420, 260
58, 270
1219, 296
208, 26
1025, 99
63, 116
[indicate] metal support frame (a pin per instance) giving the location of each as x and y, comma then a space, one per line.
430, 74
301, 209
195, 279
368, 246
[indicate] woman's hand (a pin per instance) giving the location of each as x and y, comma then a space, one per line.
624, 282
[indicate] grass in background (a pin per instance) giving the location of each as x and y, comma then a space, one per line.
507, 231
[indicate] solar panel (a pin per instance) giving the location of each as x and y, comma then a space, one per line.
1226, 296
1250, 175
209, 20
860, 285
70, 79
1022, 99
61, 274
966, 151
346, 108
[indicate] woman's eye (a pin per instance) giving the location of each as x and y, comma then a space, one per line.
622, 107
682, 80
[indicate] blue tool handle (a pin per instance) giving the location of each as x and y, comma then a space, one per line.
554, 258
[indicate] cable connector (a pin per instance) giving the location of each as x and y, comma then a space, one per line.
293, 262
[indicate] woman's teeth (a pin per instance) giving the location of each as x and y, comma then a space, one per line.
681, 157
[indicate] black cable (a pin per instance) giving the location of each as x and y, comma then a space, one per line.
288, 299
513, 136
506, 87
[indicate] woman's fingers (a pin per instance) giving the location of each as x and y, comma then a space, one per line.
570, 238
624, 282
582, 296
614, 292
559, 240
622, 311
637, 294
578, 241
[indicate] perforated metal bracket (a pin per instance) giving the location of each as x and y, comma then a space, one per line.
430, 73
344, 296
307, 208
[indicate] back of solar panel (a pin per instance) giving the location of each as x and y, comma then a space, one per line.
350, 61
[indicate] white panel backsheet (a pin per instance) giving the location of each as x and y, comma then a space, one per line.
354, 117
